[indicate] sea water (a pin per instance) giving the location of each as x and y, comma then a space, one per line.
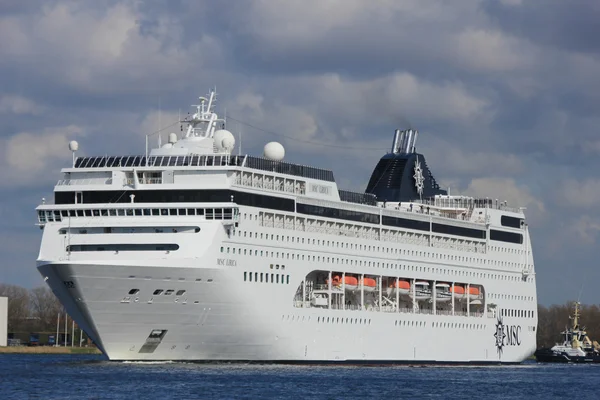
40, 376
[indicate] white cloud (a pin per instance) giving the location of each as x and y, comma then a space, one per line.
29, 154
18, 105
102, 49
586, 228
486, 50
579, 194
505, 189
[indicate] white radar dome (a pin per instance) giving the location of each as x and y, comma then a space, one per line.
227, 143
73, 145
172, 138
274, 151
223, 137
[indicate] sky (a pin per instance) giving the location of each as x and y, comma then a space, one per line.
505, 95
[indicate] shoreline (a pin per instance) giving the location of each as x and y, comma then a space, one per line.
48, 350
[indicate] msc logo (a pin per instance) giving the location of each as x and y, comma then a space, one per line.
506, 335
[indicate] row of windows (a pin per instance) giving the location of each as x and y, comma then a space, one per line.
337, 213
389, 221
276, 203
457, 325
503, 296
346, 261
517, 313
209, 213
176, 196
208, 160
130, 229
338, 320
123, 247
264, 277
260, 216
157, 292
393, 250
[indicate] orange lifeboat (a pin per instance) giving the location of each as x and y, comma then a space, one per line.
400, 284
350, 282
474, 292
459, 291
369, 284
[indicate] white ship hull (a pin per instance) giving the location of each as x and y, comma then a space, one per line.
223, 317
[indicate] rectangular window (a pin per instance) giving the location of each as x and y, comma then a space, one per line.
503, 236
511, 222
245, 275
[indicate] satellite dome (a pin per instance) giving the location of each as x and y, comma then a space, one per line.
172, 138
73, 145
274, 151
221, 135
227, 143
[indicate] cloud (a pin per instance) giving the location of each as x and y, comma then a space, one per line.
585, 228
493, 51
505, 189
18, 105
101, 49
30, 154
579, 194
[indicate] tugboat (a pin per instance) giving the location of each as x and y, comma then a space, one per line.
576, 348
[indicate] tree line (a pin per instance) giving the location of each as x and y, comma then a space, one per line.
31, 310
554, 319
36, 310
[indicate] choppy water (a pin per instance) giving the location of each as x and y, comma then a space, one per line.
90, 377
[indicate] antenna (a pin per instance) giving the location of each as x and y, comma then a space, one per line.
159, 115
240, 141
581, 289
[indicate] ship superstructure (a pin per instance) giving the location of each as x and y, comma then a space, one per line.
192, 252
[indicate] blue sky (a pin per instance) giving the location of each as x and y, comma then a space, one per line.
505, 94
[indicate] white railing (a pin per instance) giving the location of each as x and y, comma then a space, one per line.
89, 181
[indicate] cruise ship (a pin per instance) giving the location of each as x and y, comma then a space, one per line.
193, 252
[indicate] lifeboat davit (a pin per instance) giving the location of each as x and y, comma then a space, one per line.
369, 284
399, 286
422, 291
442, 292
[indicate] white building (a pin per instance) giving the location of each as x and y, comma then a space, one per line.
3, 320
